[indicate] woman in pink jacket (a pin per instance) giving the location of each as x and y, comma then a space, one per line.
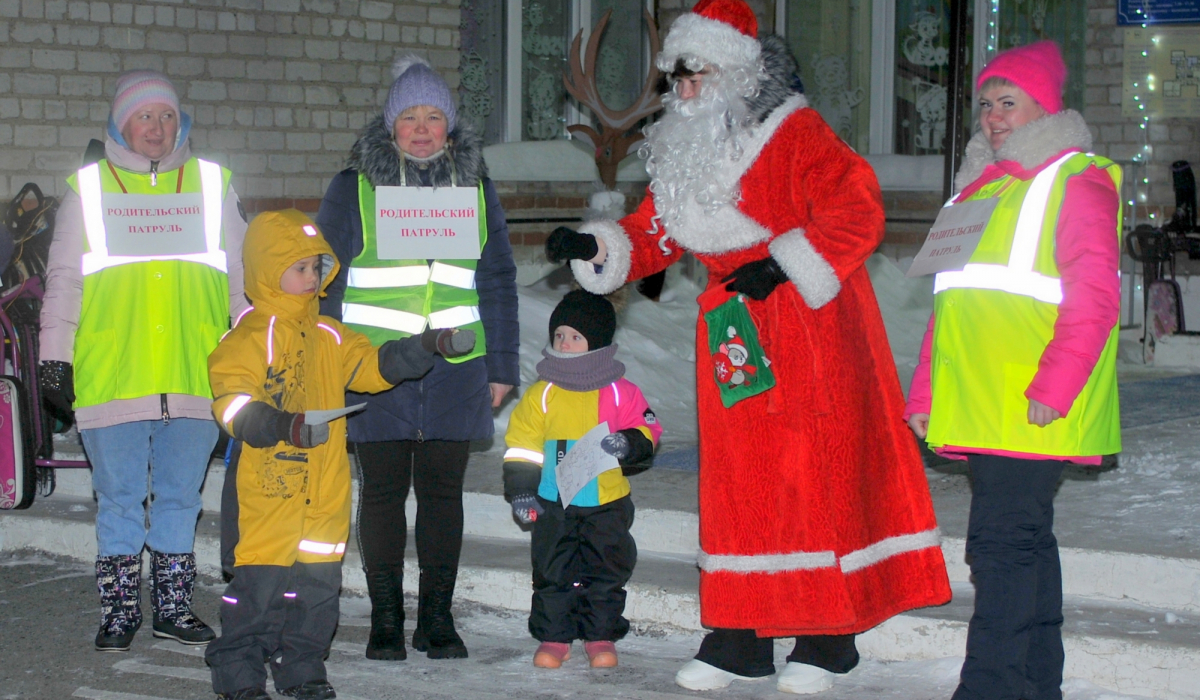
1017, 371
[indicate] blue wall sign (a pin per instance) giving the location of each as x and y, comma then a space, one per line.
1139, 12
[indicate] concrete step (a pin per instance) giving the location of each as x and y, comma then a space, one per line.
667, 523
1135, 649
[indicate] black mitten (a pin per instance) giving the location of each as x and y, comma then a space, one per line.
756, 279
57, 382
565, 244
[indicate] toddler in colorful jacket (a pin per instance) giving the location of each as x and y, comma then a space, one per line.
583, 554
287, 499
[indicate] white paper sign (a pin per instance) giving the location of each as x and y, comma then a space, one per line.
319, 417
953, 238
426, 222
583, 462
154, 224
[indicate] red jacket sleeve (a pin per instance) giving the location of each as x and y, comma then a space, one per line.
1088, 254
845, 223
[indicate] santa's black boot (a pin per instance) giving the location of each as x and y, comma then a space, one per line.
435, 633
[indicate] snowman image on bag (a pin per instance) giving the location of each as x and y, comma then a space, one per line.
730, 362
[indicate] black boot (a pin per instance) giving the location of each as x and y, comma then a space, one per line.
174, 576
119, 579
435, 633
386, 588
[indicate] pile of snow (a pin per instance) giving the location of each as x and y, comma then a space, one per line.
658, 339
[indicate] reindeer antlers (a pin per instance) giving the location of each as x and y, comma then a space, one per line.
581, 82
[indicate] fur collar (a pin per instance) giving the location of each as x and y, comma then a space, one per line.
1030, 146
375, 155
780, 80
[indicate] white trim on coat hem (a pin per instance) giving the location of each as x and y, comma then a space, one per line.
804, 561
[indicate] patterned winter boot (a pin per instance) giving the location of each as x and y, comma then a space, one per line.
119, 579
435, 633
174, 576
386, 588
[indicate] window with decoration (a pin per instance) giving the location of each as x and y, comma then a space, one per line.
877, 70
514, 53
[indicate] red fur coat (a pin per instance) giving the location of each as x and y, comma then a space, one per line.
815, 516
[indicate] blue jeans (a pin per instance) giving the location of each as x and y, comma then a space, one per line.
175, 456
1014, 640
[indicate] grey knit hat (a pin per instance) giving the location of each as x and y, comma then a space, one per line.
417, 84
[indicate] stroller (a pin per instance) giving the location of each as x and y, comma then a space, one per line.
26, 428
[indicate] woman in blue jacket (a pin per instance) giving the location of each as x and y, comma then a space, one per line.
419, 432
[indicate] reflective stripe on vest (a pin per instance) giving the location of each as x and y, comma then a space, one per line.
1018, 277
97, 258
454, 317
411, 276
379, 317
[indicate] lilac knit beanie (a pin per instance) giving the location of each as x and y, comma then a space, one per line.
417, 84
137, 89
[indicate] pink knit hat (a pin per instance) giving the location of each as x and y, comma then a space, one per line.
137, 89
1037, 68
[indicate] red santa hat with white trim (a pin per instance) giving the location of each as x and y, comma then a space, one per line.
721, 33
735, 341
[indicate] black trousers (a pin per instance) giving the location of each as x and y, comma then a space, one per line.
386, 470
746, 654
582, 559
1014, 640
284, 614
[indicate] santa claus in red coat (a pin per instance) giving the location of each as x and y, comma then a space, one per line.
815, 515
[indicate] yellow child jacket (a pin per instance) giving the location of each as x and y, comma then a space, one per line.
294, 503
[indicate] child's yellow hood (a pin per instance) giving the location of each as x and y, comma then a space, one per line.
274, 242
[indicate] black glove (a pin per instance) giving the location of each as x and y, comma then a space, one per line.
756, 279
261, 425
565, 244
526, 507
448, 342
57, 382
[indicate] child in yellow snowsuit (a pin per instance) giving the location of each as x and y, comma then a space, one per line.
292, 476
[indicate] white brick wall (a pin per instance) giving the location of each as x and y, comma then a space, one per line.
277, 89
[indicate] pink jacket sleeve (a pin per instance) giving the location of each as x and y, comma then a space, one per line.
1088, 255
920, 391
633, 411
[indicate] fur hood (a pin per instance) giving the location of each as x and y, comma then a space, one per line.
780, 80
1030, 146
375, 155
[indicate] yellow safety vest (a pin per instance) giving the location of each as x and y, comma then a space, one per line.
388, 299
148, 323
994, 319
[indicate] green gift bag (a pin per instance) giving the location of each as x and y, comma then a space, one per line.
740, 368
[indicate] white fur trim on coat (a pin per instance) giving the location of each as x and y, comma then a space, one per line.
728, 228
615, 270
713, 42
812, 274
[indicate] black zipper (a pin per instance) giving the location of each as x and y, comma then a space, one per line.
154, 183
166, 414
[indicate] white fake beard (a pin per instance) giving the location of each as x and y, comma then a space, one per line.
688, 148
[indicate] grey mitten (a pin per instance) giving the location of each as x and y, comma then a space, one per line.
526, 508
448, 342
616, 444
